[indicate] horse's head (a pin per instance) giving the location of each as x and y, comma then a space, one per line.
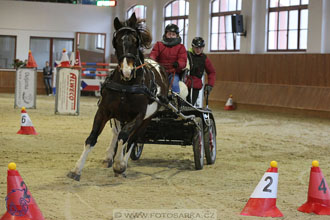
130, 36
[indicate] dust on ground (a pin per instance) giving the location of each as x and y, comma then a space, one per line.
164, 177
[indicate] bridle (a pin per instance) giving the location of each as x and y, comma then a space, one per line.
140, 88
127, 55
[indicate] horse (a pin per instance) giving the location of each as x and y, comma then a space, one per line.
130, 96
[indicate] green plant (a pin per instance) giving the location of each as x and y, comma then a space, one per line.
18, 63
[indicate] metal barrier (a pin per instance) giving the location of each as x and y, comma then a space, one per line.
99, 74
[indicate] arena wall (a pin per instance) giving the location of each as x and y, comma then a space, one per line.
296, 81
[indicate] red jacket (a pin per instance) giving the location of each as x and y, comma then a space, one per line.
166, 56
197, 82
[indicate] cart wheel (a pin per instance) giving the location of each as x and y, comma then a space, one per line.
198, 145
137, 151
210, 144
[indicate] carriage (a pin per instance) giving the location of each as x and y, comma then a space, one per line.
181, 123
136, 96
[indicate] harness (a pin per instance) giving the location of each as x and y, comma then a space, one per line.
131, 89
110, 84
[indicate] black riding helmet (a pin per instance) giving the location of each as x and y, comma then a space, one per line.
172, 28
198, 42
171, 41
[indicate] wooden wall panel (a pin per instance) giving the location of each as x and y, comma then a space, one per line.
287, 96
7, 82
91, 56
288, 69
296, 81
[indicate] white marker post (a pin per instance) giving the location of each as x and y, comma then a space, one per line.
67, 91
26, 87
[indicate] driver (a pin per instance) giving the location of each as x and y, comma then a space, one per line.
171, 54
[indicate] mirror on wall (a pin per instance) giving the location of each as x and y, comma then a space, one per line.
91, 46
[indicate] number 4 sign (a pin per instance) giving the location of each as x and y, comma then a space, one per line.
318, 200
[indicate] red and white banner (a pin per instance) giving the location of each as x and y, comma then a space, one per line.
67, 91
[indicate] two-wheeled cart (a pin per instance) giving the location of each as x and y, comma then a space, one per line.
180, 123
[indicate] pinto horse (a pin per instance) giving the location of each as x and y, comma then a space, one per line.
133, 93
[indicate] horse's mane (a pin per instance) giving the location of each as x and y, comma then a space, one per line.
142, 31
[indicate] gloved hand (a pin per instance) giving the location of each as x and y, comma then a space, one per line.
208, 88
175, 65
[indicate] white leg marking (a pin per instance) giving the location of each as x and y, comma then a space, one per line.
81, 162
127, 155
119, 163
111, 149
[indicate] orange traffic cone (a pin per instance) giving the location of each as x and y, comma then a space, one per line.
65, 62
26, 124
31, 62
19, 201
230, 103
318, 199
262, 202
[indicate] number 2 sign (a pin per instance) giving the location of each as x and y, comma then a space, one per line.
267, 187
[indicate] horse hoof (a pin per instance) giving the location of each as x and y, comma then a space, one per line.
122, 174
107, 163
117, 168
73, 176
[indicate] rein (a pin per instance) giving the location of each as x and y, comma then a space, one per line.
142, 65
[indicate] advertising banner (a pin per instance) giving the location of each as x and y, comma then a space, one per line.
67, 91
26, 88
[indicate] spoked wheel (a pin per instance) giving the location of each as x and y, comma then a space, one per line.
210, 143
136, 151
198, 145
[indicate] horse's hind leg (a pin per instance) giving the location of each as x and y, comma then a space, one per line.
110, 152
128, 131
99, 122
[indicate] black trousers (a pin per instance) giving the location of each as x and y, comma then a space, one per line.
195, 93
48, 85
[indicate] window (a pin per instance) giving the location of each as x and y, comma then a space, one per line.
7, 51
176, 12
140, 11
222, 37
49, 49
100, 41
287, 25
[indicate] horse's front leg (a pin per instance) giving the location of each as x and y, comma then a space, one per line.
121, 159
100, 120
122, 155
110, 152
